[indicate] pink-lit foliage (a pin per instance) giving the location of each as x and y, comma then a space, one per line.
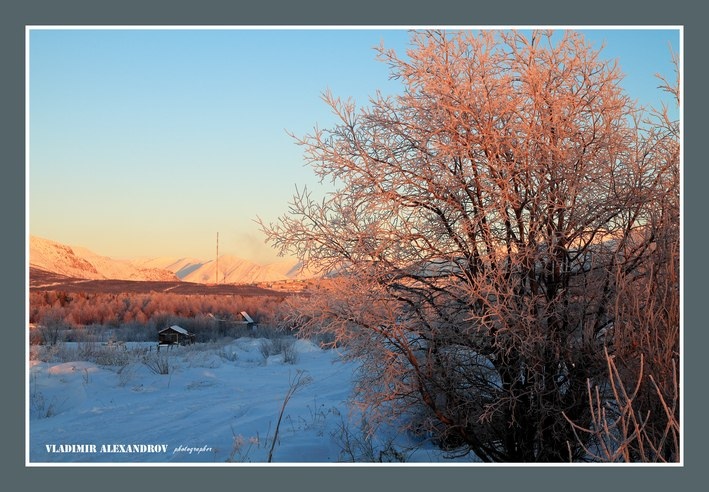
496, 231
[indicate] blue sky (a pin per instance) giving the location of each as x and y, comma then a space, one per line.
149, 142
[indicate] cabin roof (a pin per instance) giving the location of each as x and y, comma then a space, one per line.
176, 328
247, 317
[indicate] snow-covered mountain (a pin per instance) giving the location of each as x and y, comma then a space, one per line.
181, 267
79, 262
232, 270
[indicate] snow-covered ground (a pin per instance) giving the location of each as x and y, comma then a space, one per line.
218, 403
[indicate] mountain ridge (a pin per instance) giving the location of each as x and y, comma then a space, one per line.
80, 262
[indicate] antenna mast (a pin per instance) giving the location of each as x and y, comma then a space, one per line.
216, 273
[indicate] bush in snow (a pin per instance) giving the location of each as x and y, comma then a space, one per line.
104, 355
281, 345
362, 446
157, 362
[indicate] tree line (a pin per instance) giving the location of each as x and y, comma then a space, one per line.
76, 310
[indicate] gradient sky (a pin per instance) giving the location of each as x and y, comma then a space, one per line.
149, 142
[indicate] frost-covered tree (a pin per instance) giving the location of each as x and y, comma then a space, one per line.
482, 220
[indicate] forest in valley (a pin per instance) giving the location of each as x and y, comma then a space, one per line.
74, 316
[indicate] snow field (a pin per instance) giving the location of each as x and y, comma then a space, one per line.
217, 403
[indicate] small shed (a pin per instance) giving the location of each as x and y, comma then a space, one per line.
175, 335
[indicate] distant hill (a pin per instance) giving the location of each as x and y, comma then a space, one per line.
42, 280
181, 267
81, 263
232, 270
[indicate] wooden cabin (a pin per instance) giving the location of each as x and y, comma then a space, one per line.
175, 335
